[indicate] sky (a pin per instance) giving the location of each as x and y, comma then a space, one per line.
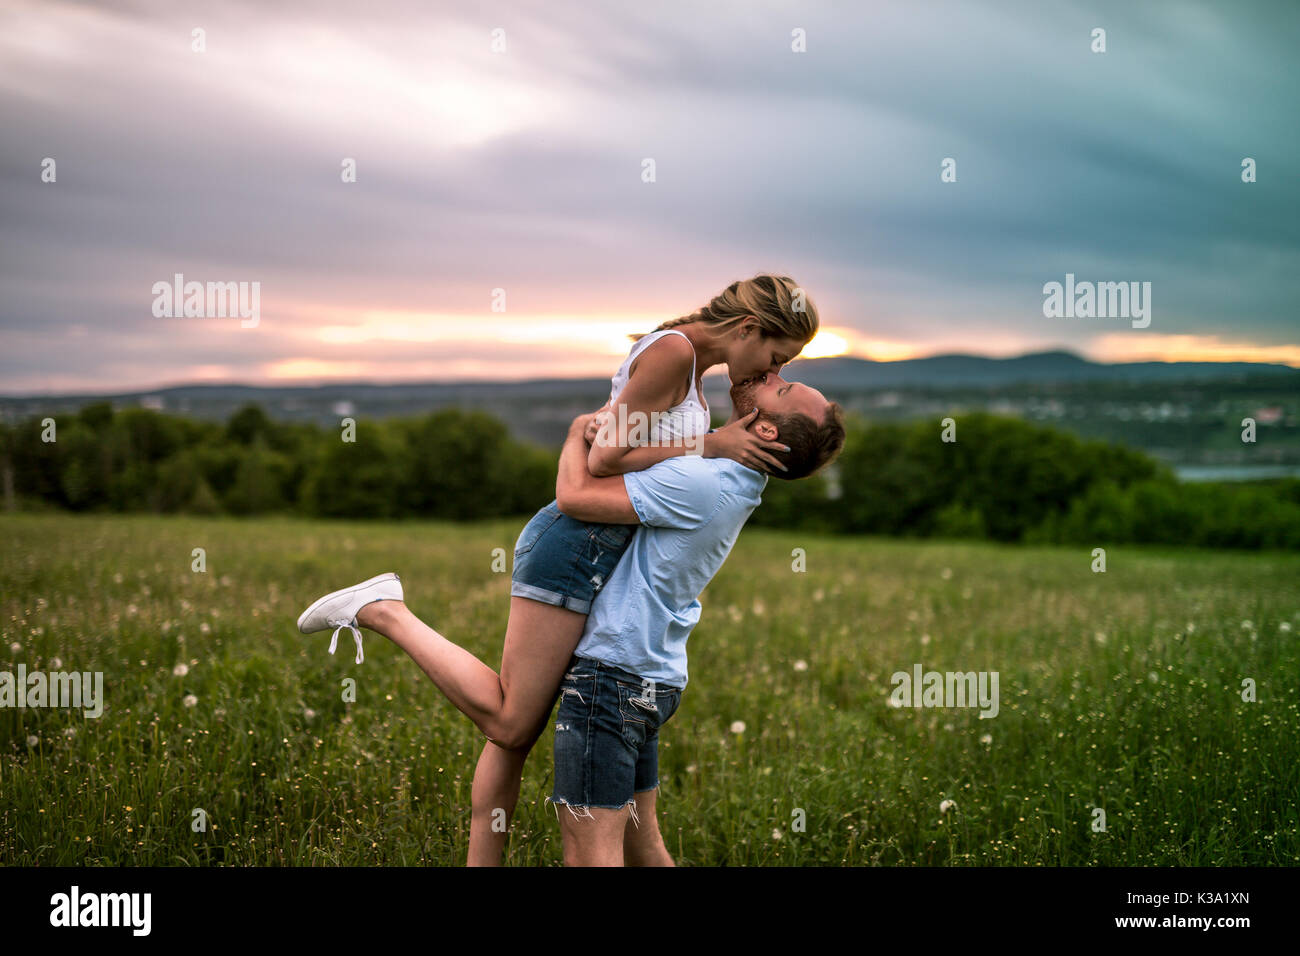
503, 146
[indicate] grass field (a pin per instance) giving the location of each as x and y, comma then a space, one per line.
1120, 690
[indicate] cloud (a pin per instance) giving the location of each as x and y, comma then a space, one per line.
522, 170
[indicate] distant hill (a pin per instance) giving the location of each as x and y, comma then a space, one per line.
940, 371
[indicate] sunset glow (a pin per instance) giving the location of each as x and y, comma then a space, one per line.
1121, 347
825, 344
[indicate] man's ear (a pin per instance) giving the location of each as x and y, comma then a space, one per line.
765, 430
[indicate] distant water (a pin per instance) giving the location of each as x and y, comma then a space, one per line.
1236, 472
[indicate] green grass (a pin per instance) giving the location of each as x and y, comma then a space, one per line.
1119, 690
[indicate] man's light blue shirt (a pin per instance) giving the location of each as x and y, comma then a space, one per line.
691, 511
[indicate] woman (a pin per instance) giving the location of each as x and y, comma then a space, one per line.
754, 326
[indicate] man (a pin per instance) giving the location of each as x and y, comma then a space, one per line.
629, 669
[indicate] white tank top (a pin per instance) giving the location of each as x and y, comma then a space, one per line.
686, 419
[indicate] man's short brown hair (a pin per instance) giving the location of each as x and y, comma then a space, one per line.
813, 445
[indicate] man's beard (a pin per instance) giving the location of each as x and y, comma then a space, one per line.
742, 396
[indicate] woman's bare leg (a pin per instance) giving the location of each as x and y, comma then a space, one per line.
511, 708
540, 639
495, 792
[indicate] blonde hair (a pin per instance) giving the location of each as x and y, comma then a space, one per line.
776, 302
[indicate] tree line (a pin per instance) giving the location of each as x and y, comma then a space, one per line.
997, 478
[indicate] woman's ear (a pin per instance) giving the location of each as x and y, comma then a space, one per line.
765, 430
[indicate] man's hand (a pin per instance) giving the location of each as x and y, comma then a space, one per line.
594, 423
581, 426
734, 441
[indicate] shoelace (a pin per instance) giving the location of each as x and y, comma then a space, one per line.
351, 625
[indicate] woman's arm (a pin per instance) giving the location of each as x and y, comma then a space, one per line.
655, 385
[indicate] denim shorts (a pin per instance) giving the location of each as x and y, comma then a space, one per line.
607, 735
562, 561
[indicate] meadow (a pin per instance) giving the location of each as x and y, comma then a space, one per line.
1120, 691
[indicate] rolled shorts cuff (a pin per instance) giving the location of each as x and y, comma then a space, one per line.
543, 596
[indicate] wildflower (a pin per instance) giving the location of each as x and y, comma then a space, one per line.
986, 739
1285, 627
189, 700
180, 670
15, 647
801, 665
33, 740
946, 573
309, 713
776, 834
56, 662
947, 805
737, 726
1100, 637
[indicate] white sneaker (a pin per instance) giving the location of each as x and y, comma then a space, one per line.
338, 609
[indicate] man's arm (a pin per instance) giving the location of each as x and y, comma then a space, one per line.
581, 495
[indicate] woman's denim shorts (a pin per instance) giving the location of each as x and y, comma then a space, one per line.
562, 561
607, 735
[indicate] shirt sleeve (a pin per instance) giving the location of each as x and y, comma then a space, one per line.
679, 492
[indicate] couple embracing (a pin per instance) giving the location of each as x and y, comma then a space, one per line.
606, 578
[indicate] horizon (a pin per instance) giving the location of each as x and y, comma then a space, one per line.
711, 375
